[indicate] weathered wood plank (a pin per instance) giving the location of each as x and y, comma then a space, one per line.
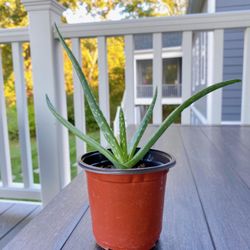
241, 133
206, 207
82, 237
225, 198
236, 152
12, 216
15, 230
54, 224
183, 216
4, 206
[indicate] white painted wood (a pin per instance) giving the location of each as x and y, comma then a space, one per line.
164, 101
14, 35
17, 191
129, 94
5, 164
116, 127
79, 105
22, 115
186, 74
47, 66
138, 117
157, 77
214, 99
245, 104
61, 102
103, 82
194, 22
198, 115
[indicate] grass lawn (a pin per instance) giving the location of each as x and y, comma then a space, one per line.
16, 159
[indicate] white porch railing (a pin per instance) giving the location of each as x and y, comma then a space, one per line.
168, 90
46, 54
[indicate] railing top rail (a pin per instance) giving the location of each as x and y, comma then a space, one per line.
14, 35
194, 22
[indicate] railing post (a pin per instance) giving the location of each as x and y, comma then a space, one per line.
79, 103
245, 105
47, 66
103, 85
129, 95
157, 76
214, 99
186, 73
5, 163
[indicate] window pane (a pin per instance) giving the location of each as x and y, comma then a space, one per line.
144, 78
143, 41
144, 71
171, 70
171, 39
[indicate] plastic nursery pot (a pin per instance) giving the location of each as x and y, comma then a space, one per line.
127, 205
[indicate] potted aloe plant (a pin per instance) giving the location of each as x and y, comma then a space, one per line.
126, 184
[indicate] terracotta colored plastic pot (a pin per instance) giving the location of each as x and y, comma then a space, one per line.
127, 205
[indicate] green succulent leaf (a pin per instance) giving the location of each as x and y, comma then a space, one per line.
171, 118
98, 115
82, 136
123, 134
142, 127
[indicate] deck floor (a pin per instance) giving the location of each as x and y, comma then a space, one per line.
207, 203
13, 217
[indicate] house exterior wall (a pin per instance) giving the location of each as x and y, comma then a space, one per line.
233, 61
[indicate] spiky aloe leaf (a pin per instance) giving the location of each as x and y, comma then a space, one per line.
142, 127
171, 118
82, 136
97, 113
123, 134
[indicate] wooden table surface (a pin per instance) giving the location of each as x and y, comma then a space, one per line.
207, 203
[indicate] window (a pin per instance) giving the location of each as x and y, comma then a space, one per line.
171, 71
144, 71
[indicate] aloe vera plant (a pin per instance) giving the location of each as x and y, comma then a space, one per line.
123, 155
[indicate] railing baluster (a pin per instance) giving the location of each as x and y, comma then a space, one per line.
157, 76
103, 86
5, 164
22, 114
214, 100
186, 73
79, 105
245, 104
129, 102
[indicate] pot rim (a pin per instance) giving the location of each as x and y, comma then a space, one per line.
115, 171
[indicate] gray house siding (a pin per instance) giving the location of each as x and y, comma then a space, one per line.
233, 60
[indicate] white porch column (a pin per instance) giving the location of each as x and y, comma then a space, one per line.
186, 74
245, 104
47, 66
215, 75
